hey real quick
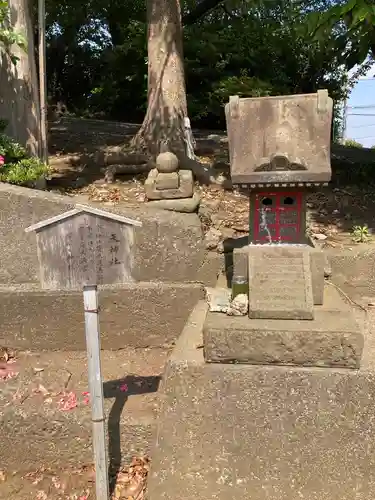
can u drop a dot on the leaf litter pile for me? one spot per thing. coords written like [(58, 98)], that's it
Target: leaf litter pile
[(129, 483)]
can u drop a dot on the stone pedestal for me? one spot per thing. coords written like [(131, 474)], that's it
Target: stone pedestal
[(258, 432)]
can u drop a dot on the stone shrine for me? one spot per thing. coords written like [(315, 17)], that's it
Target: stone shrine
[(275, 404)]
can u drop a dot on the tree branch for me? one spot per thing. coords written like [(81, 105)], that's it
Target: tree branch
[(203, 8)]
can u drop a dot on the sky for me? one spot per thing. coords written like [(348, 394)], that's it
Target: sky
[(360, 124)]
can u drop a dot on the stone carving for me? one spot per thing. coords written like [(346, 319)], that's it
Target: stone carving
[(284, 131), (279, 163), (166, 181)]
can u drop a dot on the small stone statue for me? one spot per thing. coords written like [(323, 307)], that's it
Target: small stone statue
[(166, 181)]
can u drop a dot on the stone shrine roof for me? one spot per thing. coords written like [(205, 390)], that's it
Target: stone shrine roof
[(282, 139)]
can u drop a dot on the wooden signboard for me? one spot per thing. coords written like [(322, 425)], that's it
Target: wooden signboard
[(84, 246)]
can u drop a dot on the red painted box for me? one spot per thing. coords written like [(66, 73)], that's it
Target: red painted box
[(277, 217)]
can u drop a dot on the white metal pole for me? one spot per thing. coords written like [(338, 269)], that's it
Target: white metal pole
[(90, 299), (43, 146)]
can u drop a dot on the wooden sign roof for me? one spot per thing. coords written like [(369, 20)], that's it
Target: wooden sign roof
[(79, 210)]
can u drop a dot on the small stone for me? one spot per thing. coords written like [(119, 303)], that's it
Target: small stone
[(327, 272), (212, 238), (218, 299), (320, 236), (167, 162), (214, 137), (239, 305)]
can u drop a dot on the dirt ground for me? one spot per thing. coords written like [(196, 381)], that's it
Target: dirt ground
[(332, 212), (48, 393)]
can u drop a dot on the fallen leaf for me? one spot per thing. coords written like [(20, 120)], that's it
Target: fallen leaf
[(42, 390), (2, 476), (68, 402), (41, 495), (56, 483)]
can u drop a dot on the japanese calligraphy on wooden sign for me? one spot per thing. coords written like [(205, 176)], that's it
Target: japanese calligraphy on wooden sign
[(85, 246)]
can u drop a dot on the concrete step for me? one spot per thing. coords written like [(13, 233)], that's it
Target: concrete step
[(280, 285), (35, 431), (143, 314)]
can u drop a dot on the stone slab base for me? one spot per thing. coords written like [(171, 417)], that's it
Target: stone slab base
[(229, 432), (135, 315), (331, 339)]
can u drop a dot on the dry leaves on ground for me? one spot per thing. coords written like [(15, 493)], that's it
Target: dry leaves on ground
[(79, 483), (131, 481)]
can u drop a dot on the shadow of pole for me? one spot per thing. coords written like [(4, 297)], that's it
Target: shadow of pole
[(121, 390)]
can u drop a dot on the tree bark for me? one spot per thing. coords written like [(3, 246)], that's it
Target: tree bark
[(19, 98), (163, 125)]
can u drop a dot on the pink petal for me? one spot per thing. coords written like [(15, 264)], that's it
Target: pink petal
[(124, 388)]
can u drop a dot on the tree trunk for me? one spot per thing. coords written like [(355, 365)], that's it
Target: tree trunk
[(19, 99), (163, 125)]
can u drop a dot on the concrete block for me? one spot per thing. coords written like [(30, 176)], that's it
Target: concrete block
[(263, 432), (133, 315)]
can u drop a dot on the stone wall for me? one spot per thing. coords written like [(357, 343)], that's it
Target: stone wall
[(168, 247)]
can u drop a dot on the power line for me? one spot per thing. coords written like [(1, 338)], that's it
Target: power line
[(361, 114), (367, 137), (362, 126), (370, 106)]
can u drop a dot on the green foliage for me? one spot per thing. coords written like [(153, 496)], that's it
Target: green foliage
[(351, 143), (251, 49), (361, 234), (356, 20), (23, 171), (8, 36), (10, 149), (16, 167)]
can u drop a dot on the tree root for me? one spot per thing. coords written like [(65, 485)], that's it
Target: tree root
[(203, 173), (111, 171)]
